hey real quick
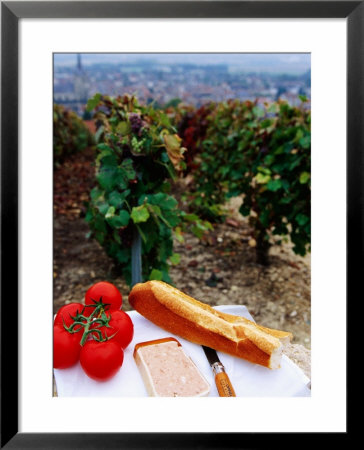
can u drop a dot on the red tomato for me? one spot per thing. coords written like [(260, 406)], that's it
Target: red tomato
[(66, 347), (101, 360), (121, 324), (106, 291), (66, 312)]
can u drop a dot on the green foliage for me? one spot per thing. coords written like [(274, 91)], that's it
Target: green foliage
[(139, 154), (262, 152), (70, 134), (173, 103)]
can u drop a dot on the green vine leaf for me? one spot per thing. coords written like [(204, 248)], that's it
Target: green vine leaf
[(175, 259), (140, 213), (156, 274), (93, 102), (119, 220), (304, 177)]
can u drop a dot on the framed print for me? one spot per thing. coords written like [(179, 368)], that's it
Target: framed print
[(36, 40)]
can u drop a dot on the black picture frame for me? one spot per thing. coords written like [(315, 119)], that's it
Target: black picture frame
[(11, 13)]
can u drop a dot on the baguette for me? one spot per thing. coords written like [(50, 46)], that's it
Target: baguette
[(198, 322)]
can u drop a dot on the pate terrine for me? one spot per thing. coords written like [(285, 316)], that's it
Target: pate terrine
[(167, 371)]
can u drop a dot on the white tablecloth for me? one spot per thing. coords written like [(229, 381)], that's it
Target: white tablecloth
[(248, 380)]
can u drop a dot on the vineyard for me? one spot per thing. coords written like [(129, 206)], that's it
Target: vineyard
[(219, 197)]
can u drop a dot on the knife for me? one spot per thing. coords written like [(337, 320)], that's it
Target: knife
[(222, 381)]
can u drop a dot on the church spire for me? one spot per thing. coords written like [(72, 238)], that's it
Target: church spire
[(79, 64)]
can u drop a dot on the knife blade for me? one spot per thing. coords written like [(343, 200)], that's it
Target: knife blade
[(222, 381)]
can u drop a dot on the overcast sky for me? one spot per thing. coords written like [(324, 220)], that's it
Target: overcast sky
[(263, 62)]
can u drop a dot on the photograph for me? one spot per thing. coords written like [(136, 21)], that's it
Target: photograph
[(181, 224), (173, 224)]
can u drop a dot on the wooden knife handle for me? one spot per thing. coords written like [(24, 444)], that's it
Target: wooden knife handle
[(224, 385)]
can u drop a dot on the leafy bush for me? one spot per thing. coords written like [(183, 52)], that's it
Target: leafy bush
[(278, 186), (262, 153), (70, 134), (139, 154)]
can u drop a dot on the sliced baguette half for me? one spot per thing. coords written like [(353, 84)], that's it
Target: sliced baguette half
[(198, 322)]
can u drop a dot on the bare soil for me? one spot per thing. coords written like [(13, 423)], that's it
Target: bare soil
[(218, 270)]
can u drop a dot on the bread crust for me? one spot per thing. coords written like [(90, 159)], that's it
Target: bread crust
[(198, 322)]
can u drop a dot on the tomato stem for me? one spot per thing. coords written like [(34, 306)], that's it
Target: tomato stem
[(98, 316)]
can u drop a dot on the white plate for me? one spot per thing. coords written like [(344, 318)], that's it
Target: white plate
[(248, 380)]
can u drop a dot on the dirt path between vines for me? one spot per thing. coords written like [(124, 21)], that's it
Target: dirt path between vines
[(218, 270)]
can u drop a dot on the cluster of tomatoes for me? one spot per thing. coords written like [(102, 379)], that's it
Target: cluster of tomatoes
[(96, 333)]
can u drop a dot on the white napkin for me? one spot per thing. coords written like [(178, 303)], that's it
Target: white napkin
[(248, 380)]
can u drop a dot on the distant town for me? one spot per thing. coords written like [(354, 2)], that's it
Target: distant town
[(163, 83)]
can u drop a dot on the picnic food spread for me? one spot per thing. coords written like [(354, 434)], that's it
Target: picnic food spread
[(97, 333), (167, 371), (198, 322)]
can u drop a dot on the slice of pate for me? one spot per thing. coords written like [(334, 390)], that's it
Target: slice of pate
[(167, 371)]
